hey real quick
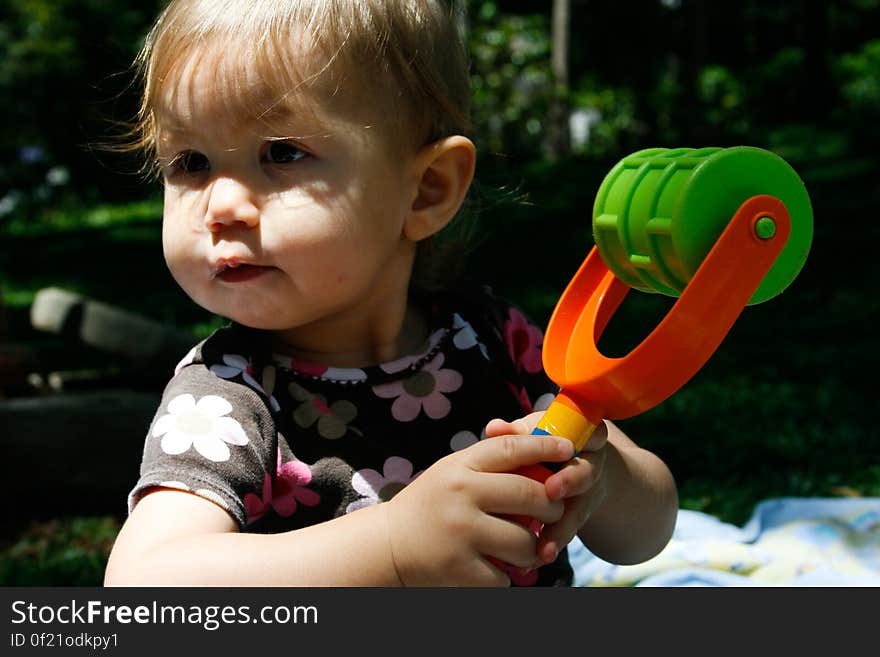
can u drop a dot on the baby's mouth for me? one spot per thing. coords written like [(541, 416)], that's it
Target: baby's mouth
[(233, 271)]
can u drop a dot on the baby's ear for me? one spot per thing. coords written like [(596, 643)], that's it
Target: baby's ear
[(445, 169)]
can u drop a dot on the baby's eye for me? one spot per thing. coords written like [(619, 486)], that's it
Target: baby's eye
[(282, 152), (190, 162)]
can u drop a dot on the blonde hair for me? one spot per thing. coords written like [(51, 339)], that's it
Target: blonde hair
[(404, 57)]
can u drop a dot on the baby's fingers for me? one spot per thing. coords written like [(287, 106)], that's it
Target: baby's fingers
[(509, 452), (514, 495), (523, 425), (556, 536)]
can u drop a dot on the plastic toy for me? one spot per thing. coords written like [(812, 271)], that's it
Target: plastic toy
[(720, 228)]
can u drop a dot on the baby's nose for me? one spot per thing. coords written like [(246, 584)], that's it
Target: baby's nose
[(231, 203)]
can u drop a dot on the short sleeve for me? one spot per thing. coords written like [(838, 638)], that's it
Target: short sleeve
[(212, 437)]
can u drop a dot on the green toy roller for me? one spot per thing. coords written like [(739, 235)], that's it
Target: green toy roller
[(659, 211), (719, 228)]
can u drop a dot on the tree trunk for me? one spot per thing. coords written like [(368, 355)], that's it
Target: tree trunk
[(558, 142)]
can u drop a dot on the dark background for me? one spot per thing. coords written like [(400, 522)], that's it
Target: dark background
[(782, 409)]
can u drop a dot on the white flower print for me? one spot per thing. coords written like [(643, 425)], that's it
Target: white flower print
[(235, 365), (397, 472), (543, 402), (202, 425), (464, 439), (465, 336)]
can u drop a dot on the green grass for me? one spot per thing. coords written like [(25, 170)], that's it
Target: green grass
[(52, 221), (59, 552)]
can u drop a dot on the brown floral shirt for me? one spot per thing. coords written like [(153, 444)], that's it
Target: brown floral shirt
[(282, 444)]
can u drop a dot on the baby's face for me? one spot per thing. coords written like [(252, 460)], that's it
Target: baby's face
[(301, 235)]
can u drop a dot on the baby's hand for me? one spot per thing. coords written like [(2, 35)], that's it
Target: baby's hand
[(446, 525), (581, 484)]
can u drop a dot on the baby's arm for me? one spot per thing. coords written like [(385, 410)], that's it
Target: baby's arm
[(439, 530), (637, 515), (177, 538), (620, 500)]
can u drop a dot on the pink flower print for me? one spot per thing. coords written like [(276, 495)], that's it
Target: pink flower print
[(522, 396), (255, 507), (423, 389), (233, 365), (397, 472), (284, 492), (542, 403), (332, 420), (523, 341), (291, 483)]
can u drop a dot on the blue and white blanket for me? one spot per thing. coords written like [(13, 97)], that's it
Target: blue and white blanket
[(786, 542)]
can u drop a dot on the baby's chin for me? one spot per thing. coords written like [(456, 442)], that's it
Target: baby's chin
[(268, 319), (247, 309), (255, 322)]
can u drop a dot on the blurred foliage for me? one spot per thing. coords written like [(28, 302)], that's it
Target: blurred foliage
[(62, 73), (859, 78), (779, 410), (59, 552), (687, 72), (511, 78)]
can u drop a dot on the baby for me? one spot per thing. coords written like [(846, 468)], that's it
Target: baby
[(343, 430)]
